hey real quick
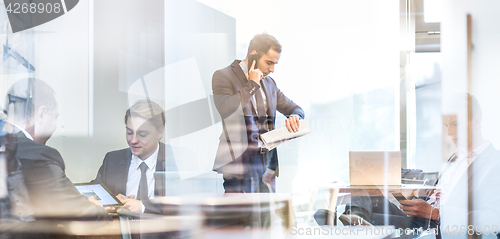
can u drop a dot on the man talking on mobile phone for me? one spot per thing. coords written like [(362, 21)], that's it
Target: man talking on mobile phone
[(247, 99)]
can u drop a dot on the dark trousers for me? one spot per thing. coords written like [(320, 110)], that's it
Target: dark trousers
[(251, 182)]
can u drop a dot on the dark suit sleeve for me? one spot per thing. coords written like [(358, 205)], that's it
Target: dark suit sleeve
[(285, 105), (101, 174), (151, 208), (52, 194), (226, 99)]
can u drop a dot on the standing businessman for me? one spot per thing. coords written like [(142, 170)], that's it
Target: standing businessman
[(247, 98)]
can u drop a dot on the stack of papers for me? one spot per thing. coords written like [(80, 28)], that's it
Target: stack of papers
[(280, 135)]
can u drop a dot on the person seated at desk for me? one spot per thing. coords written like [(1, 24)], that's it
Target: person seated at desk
[(130, 172), (480, 157), (39, 186)]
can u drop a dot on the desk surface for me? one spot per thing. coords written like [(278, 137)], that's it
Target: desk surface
[(379, 190), (302, 232), (102, 229), (112, 230), (223, 199), (75, 228)]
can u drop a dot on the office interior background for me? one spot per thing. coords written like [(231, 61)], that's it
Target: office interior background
[(370, 75)]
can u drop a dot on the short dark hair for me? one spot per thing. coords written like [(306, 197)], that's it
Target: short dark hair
[(27, 96), (461, 100), (473, 106), (149, 110), (261, 43)]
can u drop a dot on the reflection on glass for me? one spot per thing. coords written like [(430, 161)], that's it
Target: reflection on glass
[(433, 10)]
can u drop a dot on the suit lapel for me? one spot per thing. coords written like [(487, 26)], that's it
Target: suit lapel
[(121, 184), (235, 66), (239, 73), (481, 159), (271, 104), (160, 167)]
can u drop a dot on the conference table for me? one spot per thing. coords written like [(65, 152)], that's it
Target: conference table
[(384, 190)]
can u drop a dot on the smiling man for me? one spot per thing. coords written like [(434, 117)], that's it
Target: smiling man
[(245, 89), (130, 172)]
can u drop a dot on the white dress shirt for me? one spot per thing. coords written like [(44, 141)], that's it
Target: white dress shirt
[(455, 170), (134, 175)]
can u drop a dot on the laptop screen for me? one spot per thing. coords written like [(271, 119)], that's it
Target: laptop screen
[(374, 168)]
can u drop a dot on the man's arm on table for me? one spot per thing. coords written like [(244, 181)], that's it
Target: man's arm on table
[(53, 194)]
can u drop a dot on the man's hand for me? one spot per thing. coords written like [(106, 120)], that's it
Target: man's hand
[(123, 199), (254, 74), (269, 176), (130, 203), (94, 201), (292, 124), (419, 208)]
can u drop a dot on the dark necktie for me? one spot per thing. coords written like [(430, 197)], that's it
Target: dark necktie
[(261, 112), (143, 183)]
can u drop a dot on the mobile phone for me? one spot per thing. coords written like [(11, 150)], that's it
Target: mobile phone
[(399, 196), (251, 58)]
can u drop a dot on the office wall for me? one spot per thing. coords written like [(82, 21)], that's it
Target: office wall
[(127, 40), (97, 54), (132, 40), (426, 68), (198, 41), (340, 63), (485, 74), (62, 55)]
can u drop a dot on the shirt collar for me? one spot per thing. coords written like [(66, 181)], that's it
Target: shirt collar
[(473, 155), (28, 135), (150, 162), (478, 150), (244, 67)]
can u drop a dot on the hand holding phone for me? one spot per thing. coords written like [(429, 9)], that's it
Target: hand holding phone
[(251, 59), (254, 73), (399, 197)]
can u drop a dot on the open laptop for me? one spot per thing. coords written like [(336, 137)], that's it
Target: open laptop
[(374, 168)]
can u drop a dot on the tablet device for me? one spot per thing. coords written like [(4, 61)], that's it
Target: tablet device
[(100, 192)]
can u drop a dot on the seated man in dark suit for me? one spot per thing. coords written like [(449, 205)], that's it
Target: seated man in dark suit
[(130, 173), (38, 184), (8, 148)]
